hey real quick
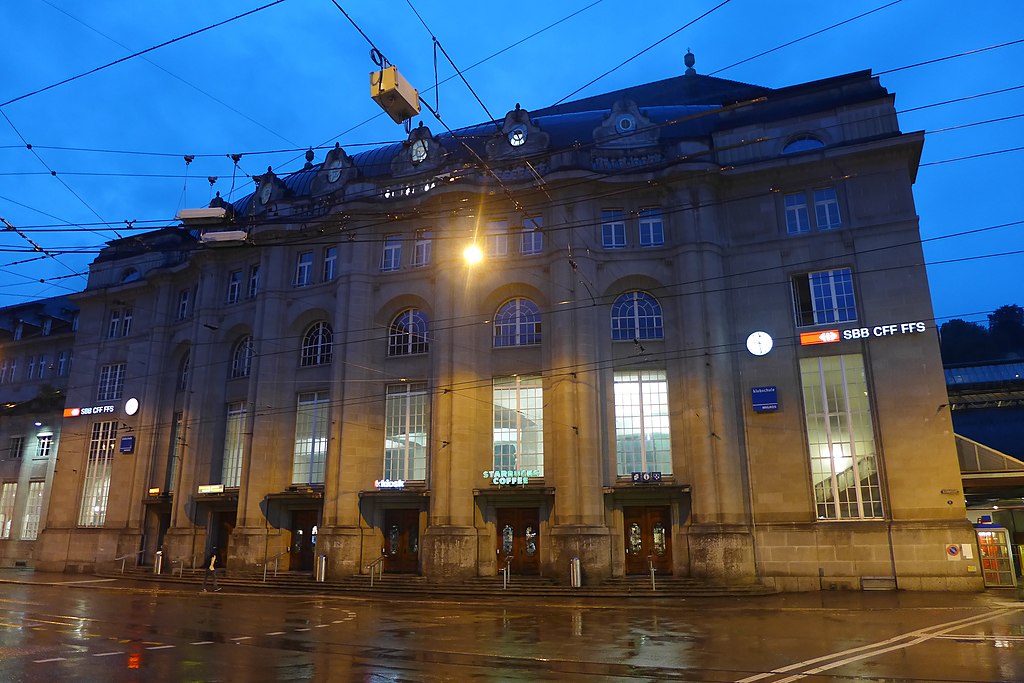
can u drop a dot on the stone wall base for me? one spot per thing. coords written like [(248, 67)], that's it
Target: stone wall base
[(591, 544), (448, 553)]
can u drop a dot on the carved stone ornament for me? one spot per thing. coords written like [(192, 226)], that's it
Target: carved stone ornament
[(518, 137), (626, 128), (337, 169), (421, 152)]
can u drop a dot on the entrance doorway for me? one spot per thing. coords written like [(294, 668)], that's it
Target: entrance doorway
[(401, 540), (303, 548), (648, 531), (222, 524), (519, 539)]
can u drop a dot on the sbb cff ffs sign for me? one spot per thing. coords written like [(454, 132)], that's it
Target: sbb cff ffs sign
[(833, 336)]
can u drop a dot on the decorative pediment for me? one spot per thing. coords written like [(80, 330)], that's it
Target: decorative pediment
[(337, 169), (421, 152), (626, 128), (518, 137), (269, 188)]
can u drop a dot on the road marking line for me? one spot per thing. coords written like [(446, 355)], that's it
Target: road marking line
[(879, 648), (44, 661), (322, 625), (68, 583), (202, 642), (241, 638), (160, 647), (302, 629), (107, 654), (275, 633)]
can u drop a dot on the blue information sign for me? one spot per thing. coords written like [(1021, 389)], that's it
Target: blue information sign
[(764, 399), (127, 444)]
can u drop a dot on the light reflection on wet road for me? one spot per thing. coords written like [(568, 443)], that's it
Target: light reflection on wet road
[(79, 633)]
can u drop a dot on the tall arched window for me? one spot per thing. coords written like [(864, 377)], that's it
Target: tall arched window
[(241, 357), (802, 143), (316, 345), (517, 323), (408, 333), (636, 315), (183, 371)]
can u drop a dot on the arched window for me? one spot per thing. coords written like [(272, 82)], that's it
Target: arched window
[(408, 333), (802, 143), (241, 358), (636, 315), (316, 345), (517, 323), (131, 275), (183, 371)]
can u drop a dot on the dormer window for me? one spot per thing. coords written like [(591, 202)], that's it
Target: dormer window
[(625, 123), (803, 143), (517, 136), (130, 275)]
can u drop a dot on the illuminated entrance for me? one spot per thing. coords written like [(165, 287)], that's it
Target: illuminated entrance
[(648, 538), (401, 540), (519, 540)]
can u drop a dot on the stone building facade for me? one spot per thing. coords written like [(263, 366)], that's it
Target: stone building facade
[(700, 339)]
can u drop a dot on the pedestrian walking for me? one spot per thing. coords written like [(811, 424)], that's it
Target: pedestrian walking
[(210, 566)]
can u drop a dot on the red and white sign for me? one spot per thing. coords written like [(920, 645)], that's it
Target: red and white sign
[(819, 337)]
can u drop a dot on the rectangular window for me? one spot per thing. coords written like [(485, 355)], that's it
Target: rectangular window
[(7, 493), (844, 464), (47, 327), (96, 483), (613, 229), (184, 303), (234, 445), (826, 209), (114, 323), (41, 367), (652, 228), (254, 280), (126, 322), (532, 237), (497, 238), (33, 511), (111, 382), (311, 425), (405, 432), (19, 331), (330, 263), (824, 297), (174, 452), (642, 437), (63, 363), (30, 368), (234, 287), (3, 372), (797, 221), (391, 258), (304, 269), (518, 423), (15, 447), (14, 369), (421, 248), (44, 446)]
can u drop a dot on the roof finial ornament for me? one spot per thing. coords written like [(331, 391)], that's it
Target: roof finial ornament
[(690, 60), (309, 158)]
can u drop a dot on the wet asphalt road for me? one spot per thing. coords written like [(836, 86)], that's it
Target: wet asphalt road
[(103, 630)]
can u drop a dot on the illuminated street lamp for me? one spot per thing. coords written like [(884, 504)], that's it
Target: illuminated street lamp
[(472, 254)]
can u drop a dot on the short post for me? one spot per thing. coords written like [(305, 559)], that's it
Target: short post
[(575, 574), (650, 562), (321, 569), (158, 562)]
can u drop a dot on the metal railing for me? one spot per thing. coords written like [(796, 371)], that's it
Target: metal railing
[(124, 559), (506, 573), (275, 558), (650, 563), (377, 565)]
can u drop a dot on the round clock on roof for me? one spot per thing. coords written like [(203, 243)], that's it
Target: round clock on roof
[(759, 343), (334, 170), (418, 151), (266, 189)]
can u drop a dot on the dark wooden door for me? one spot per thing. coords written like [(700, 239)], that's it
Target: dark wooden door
[(223, 525), (519, 539), (303, 540), (648, 531), (401, 541)]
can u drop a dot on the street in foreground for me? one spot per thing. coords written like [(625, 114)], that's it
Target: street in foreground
[(102, 630)]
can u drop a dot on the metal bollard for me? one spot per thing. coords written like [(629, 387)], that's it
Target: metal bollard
[(321, 569), (575, 573), (158, 563)]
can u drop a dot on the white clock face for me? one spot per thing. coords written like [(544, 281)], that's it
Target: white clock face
[(759, 343), (265, 190), (419, 151), (334, 171)]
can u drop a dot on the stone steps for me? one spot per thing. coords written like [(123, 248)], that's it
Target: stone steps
[(481, 586)]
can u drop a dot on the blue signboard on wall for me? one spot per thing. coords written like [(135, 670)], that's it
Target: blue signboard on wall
[(127, 444), (764, 399)]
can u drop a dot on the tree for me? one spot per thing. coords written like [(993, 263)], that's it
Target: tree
[(1006, 330), (961, 341)]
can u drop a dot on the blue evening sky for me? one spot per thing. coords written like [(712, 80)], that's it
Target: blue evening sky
[(294, 75)]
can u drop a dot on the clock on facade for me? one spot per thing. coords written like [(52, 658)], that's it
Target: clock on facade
[(334, 171), (759, 343), (418, 151), (266, 189)]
